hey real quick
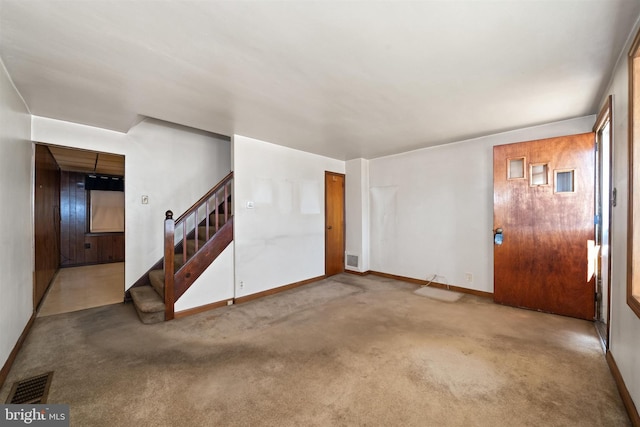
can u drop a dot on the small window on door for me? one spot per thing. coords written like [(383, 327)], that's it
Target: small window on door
[(565, 181), (539, 174), (515, 168)]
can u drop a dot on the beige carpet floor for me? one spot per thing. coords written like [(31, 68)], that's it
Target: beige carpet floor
[(345, 351)]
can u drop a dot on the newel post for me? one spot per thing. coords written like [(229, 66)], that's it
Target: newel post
[(169, 253)]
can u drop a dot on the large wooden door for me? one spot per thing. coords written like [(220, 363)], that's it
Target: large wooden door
[(543, 220), (334, 223)]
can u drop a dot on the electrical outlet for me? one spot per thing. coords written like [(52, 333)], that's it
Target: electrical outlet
[(241, 284), (468, 277)]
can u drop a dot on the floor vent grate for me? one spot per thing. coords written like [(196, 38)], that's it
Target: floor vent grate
[(32, 390), (352, 260)]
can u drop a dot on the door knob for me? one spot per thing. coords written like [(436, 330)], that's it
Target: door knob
[(329, 227), (497, 236)]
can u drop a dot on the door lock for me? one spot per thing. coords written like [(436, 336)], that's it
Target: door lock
[(497, 236)]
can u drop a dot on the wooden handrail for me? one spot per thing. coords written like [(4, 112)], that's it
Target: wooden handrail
[(210, 193), (170, 246), (181, 222)]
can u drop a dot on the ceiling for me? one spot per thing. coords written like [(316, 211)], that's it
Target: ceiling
[(345, 79), (69, 159)]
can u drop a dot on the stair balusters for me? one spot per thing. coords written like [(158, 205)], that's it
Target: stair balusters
[(188, 226)]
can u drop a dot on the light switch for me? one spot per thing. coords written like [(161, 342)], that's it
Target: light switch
[(145, 200), (250, 205)]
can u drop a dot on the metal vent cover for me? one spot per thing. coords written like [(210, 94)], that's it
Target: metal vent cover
[(352, 260), (32, 390)]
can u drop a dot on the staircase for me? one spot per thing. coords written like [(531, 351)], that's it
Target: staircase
[(192, 243)]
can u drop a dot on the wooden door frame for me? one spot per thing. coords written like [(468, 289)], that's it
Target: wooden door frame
[(326, 234), (606, 114), (37, 296)]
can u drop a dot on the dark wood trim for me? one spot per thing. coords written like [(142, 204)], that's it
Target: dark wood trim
[(632, 411), (202, 308), (357, 273), (4, 372), (105, 233), (423, 283), (277, 290), (420, 282), (475, 292), (401, 278)]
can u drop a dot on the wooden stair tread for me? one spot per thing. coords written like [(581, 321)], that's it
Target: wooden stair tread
[(156, 277), (147, 299)]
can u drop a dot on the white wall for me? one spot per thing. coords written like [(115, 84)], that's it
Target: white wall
[(16, 211), (214, 285), (432, 209), (624, 342), (171, 164), (357, 212), (281, 239)]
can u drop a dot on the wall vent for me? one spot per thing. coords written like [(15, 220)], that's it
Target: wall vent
[(352, 260)]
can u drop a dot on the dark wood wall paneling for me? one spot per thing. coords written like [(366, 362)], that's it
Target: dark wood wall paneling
[(46, 221), (78, 247)]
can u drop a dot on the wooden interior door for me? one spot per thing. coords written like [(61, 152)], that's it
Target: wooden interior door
[(334, 223), (543, 218)]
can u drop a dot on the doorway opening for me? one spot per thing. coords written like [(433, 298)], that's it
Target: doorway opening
[(80, 253), (603, 204)]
